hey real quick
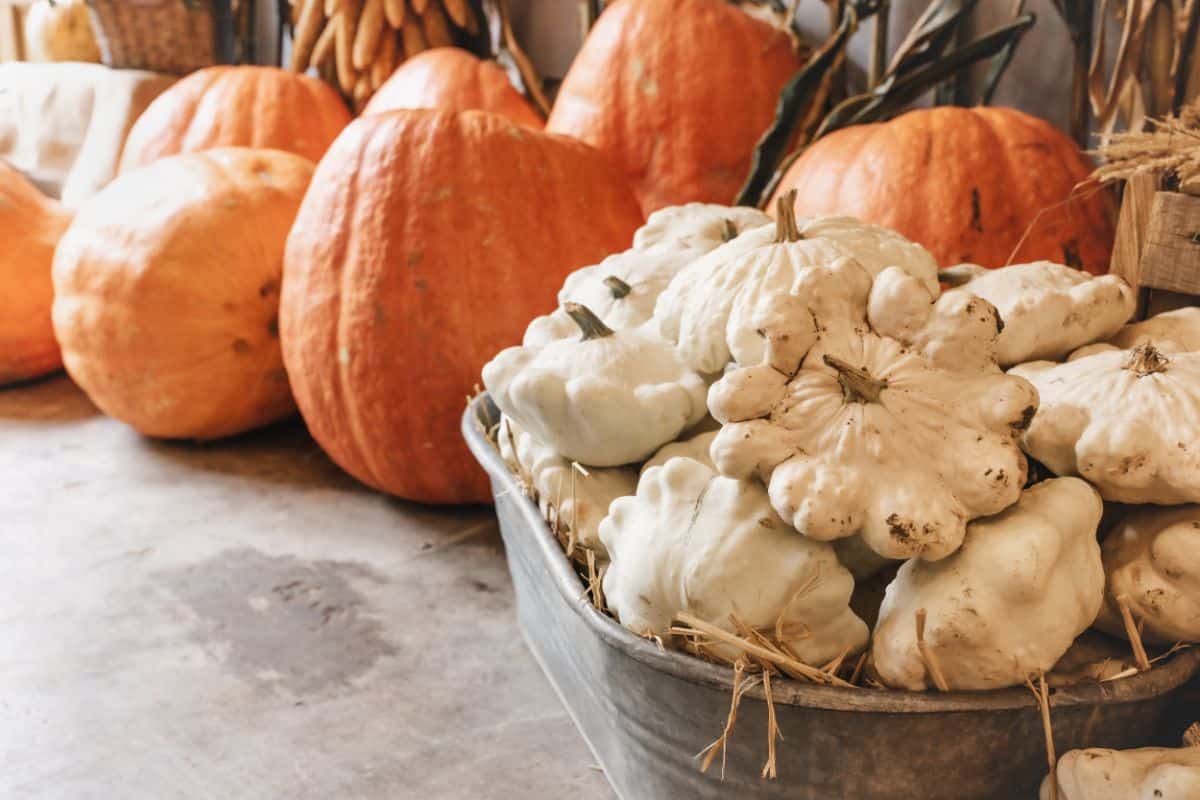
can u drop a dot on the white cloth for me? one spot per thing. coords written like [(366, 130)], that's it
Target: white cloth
[(64, 124)]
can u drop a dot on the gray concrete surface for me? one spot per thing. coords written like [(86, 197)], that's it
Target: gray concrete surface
[(241, 620)]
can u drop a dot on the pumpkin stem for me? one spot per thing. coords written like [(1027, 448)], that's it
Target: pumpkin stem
[(786, 229), (729, 231), (589, 324), (857, 384), (1145, 359), (618, 287)]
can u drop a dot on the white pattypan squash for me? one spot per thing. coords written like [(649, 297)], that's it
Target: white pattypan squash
[(695, 448), (1148, 773), (699, 227), (1126, 420), (1050, 309), (1010, 602), (580, 498), (899, 443), (716, 309), (693, 541), (1153, 558), (1170, 331), (605, 399)]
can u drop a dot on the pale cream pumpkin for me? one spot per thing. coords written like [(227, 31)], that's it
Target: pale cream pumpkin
[(1126, 420), (1147, 773), (1009, 602), (577, 498), (607, 398), (1049, 309), (692, 541), (1152, 558)]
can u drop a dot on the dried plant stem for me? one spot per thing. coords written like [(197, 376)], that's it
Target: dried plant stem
[(740, 687), (769, 770), (1042, 694), (1131, 631), (927, 657), (858, 667), (788, 665)]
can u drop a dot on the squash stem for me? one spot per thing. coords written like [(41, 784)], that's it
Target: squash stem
[(729, 231), (1145, 359), (857, 384), (618, 287), (786, 229), (589, 324)]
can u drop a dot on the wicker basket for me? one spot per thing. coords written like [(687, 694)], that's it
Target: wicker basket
[(174, 36)]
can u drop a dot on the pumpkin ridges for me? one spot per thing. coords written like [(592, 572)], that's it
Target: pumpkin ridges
[(421, 200), (222, 106), (635, 92), (1032, 166)]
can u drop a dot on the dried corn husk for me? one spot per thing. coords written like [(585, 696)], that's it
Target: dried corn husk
[(371, 26)]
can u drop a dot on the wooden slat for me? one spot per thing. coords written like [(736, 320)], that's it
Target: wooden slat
[(1171, 253)]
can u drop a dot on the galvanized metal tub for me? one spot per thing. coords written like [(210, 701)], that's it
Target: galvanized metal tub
[(646, 713)]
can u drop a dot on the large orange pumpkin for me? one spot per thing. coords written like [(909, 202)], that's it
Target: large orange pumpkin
[(968, 183), (244, 106), (30, 227), (678, 93), (167, 292), (455, 80), (426, 243)]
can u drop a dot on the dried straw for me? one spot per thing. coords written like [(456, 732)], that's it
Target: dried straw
[(769, 770), (1042, 694), (1132, 632), (1172, 146), (740, 687)]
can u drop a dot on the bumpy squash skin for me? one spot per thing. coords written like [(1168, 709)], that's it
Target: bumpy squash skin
[(453, 79), (677, 93), (966, 183), (426, 243), (167, 292), (30, 227), (244, 106)]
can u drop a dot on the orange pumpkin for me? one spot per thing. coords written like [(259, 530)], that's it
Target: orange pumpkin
[(426, 243), (243, 106), (167, 292), (455, 80), (30, 227), (968, 183), (677, 93)]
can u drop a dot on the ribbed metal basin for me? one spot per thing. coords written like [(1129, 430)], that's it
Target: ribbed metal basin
[(646, 713)]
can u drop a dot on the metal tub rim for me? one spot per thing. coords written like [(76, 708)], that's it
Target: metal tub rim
[(1164, 677)]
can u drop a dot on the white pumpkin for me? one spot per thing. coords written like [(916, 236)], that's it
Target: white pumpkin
[(872, 438), (1148, 773), (1126, 420), (698, 227), (606, 399), (717, 308), (695, 447), (1170, 331), (693, 541), (1153, 557), (1050, 309), (1010, 602), (579, 498)]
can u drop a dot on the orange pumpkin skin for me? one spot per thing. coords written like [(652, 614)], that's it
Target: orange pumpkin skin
[(678, 93), (426, 243), (30, 226), (967, 183), (167, 292), (455, 80), (245, 106)]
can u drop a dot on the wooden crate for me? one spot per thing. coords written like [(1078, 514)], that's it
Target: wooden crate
[(1157, 249)]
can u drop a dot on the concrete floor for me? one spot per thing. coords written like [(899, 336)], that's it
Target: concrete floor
[(241, 620)]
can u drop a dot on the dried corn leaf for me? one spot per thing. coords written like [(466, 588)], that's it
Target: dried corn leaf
[(413, 36), (371, 25), (459, 12), (306, 33), (322, 51), (436, 27), (395, 11)]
